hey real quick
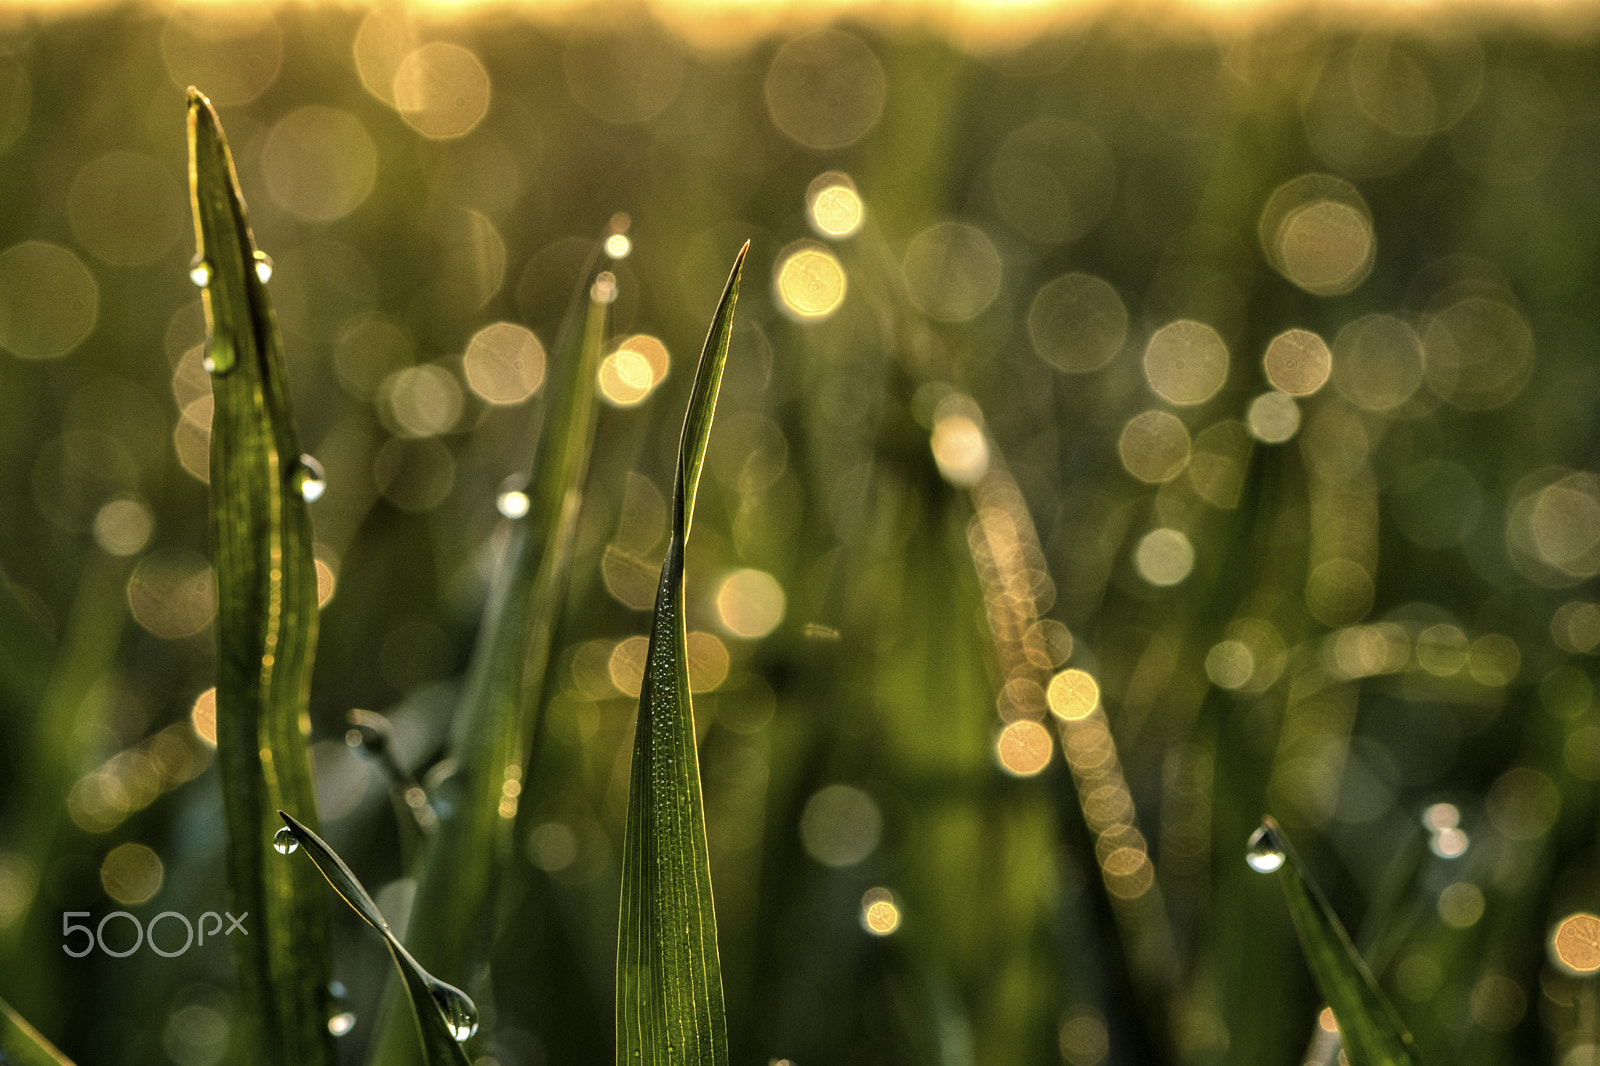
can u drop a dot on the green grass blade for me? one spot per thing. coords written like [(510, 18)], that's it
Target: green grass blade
[(22, 1045), (669, 978), (463, 859), (440, 1009), (1372, 1032), (266, 616)]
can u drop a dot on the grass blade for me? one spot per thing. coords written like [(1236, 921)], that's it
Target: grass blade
[(266, 614), (1372, 1032), (669, 977), (461, 866), (445, 1015), (22, 1045)]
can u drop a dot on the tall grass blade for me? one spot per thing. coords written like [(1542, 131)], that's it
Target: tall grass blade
[(266, 615), (23, 1045), (445, 1015), (1372, 1032), (477, 804), (669, 976)]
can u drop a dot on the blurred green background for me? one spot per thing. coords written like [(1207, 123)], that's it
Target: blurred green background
[(1129, 431)]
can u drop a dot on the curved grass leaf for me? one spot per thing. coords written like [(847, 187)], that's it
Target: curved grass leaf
[(1372, 1032), (22, 1045), (441, 1010), (462, 863), (266, 615), (669, 977)]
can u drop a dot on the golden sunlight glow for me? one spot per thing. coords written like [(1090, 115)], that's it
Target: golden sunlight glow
[(625, 667), (810, 282), (1073, 694), (1164, 557), (1024, 748), (1576, 943), (1317, 232), (441, 90)]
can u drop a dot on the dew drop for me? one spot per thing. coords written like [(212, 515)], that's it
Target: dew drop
[(460, 1013), (341, 1023), (285, 841), (200, 271), (604, 289), (511, 500), (263, 267), (1264, 852), (219, 358), (308, 479)]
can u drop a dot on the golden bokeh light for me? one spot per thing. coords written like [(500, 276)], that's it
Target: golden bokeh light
[(1164, 557), (1377, 362), (131, 874), (1229, 664), (1186, 362), (1298, 362), (203, 716), (1479, 353), (319, 163), (840, 825), (1073, 694), (1575, 626), (880, 914), (1154, 446), (825, 89), (625, 666), (1576, 943), (1024, 748), (960, 450), (1497, 1003), (1339, 592), (1494, 660), (383, 41), (708, 661), (1077, 323), (952, 271), (833, 205), (810, 282), (1442, 649), (123, 526), (1523, 803), (441, 90), (652, 351), (125, 208), (48, 300), (234, 51), (1084, 1040), (421, 401), (625, 378), (504, 363), (1273, 417), (750, 604), (171, 593), (1317, 231)]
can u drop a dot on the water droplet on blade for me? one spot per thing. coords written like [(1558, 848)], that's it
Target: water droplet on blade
[(219, 357), (604, 289), (460, 1013), (200, 271), (511, 501), (285, 842), (1264, 853), (263, 267), (308, 479), (341, 1023)]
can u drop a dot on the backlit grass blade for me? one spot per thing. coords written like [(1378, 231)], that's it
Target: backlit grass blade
[(669, 977), (445, 1015), (22, 1045), (266, 615), (477, 804), (1372, 1032)]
